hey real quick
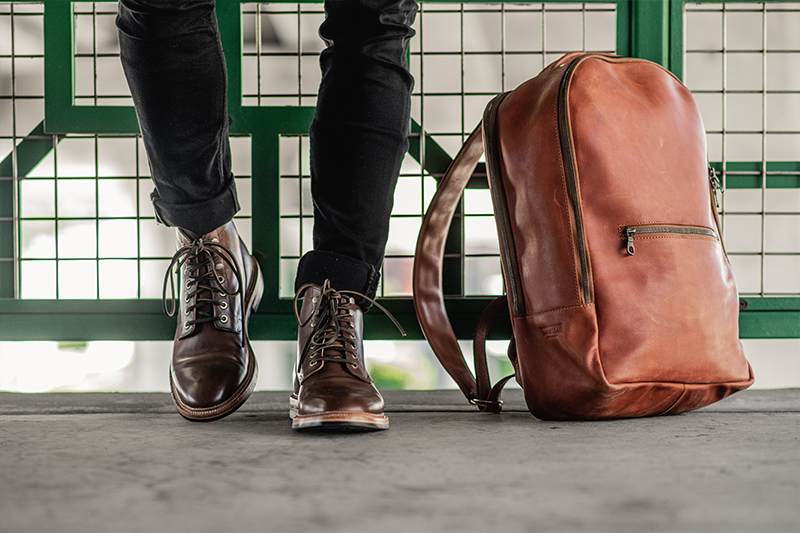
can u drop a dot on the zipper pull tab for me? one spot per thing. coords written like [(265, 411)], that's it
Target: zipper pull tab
[(716, 186), (629, 233)]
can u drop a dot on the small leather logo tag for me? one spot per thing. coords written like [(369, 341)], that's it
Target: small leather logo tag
[(552, 331)]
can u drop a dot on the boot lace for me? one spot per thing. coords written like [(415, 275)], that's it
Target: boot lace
[(202, 280), (334, 326)]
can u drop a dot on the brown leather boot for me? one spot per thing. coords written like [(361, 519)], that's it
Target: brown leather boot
[(332, 387), (213, 367)]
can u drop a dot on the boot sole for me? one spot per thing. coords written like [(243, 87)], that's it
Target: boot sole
[(339, 421), (206, 414)]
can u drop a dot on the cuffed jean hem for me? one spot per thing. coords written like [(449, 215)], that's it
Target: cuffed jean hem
[(343, 271), (200, 217)]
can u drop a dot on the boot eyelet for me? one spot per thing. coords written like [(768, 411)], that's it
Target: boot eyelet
[(224, 319), (354, 365), (223, 305), (222, 295), (186, 312), (187, 326), (188, 285), (313, 363), (221, 279)]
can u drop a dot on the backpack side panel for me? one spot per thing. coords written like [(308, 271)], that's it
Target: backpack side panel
[(535, 197)]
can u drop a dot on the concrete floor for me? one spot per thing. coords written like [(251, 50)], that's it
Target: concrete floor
[(128, 462)]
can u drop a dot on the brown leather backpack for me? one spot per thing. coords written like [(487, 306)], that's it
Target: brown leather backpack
[(621, 296)]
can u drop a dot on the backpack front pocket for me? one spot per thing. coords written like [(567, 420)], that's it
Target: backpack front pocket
[(662, 231), (657, 300)]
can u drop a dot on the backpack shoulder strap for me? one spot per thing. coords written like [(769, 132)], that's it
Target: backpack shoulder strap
[(428, 295)]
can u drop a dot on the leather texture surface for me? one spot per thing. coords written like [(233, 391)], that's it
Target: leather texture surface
[(213, 368), (537, 199), (592, 146), (332, 385)]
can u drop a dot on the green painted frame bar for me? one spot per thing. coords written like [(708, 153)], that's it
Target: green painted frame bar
[(61, 113), (769, 318), (747, 174), (644, 29), (650, 30), (80, 320), (7, 233)]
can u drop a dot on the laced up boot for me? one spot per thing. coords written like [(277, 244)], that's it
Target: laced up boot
[(213, 368), (333, 389)]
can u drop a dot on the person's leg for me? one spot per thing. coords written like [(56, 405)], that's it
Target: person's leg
[(173, 61), (358, 140)]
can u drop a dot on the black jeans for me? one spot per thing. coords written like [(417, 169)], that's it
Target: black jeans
[(172, 58)]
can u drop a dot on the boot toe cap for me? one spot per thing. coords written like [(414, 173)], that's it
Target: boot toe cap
[(347, 397), (207, 384)]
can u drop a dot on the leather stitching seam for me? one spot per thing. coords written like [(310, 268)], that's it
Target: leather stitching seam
[(540, 313)]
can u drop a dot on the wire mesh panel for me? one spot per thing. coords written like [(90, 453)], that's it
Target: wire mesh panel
[(742, 62), (462, 56), (85, 226), (98, 72), (75, 216), (21, 101)]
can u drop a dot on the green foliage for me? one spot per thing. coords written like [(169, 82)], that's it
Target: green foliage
[(390, 377)]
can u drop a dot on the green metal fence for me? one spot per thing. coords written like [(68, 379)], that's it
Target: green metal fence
[(83, 111)]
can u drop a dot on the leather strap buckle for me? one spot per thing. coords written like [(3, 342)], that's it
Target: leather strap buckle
[(492, 406)]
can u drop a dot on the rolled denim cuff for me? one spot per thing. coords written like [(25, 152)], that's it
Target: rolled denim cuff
[(344, 273), (199, 217)]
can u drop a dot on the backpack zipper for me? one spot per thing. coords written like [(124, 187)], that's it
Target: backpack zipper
[(629, 232), (716, 186), (571, 179), (498, 199)]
